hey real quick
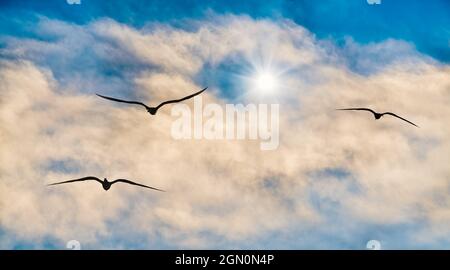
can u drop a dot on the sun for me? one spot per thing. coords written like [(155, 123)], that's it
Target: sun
[(265, 82), (262, 79)]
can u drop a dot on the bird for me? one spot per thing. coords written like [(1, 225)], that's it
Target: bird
[(377, 115), (105, 183), (153, 110)]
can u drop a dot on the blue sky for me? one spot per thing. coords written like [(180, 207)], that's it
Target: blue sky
[(424, 23), (350, 52)]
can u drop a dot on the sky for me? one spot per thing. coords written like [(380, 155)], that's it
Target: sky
[(336, 180)]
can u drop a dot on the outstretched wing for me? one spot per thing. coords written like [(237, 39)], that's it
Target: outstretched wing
[(123, 101), (181, 99), (133, 183), (77, 180), (393, 114), (357, 109)]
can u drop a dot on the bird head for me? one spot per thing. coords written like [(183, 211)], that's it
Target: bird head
[(151, 110), (106, 185)]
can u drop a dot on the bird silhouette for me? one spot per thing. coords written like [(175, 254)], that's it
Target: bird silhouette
[(105, 183), (377, 115), (153, 110)]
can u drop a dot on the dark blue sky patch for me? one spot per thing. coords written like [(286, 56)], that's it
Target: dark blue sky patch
[(271, 183), (66, 166), (227, 75), (338, 173), (19, 243)]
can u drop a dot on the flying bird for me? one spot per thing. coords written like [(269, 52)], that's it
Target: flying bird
[(105, 183), (377, 115), (153, 110)]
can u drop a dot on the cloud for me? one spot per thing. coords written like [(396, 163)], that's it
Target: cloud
[(332, 169)]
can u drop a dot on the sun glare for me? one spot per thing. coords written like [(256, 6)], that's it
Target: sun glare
[(265, 82)]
